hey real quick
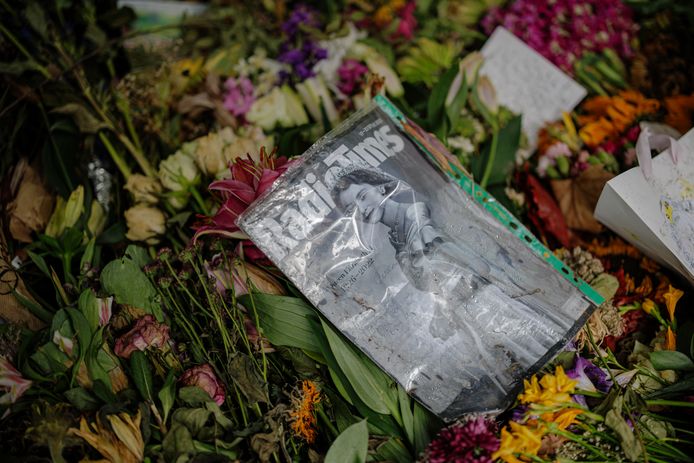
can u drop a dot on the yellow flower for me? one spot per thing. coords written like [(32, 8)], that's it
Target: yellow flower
[(551, 390), (671, 297), (566, 417), (123, 445), (649, 306), (520, 440), (670, 341)]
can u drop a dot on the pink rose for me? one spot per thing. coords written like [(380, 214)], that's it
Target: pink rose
[(203, 377), (147, 333)]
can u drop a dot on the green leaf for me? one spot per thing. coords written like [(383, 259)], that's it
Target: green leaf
[(194, 396), (505, 158), (456, 106), (40, 263), (36, 17), (167, 395), (82, 399), (406, 416), (84, 332), (88, 255), (142, 374), (435, 104), (82, 117), (426, 425), (284, 320), (350, 446), (138, 254), (372, 386), (393, 450), (671, 360), (89, 306), (123, 279)]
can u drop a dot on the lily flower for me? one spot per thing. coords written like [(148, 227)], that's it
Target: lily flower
[(11, 382)]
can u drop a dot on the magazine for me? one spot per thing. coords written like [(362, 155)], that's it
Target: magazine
[(410, 267)]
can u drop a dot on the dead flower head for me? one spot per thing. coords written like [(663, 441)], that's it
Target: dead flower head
[(121, 442), (303, 416)]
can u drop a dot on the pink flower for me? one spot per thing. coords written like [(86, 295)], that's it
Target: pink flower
[(351, 73), (11, 382), (239, 95), (203, 377), (408, 23), (248, 181), (472, 441), (147, 333), (105, 310)]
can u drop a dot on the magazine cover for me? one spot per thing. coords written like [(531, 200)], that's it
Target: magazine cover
[(419, 275)]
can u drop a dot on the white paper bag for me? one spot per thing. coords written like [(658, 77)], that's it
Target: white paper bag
[(655, 211)]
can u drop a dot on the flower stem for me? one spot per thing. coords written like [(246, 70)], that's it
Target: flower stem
[(490, 161), (117, 159), (198, 199), (24, 51), (672, 403)]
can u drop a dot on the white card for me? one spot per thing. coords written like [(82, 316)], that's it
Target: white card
[(527, 83)]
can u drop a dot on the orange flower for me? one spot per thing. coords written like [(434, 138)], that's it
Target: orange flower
[(680, 112), (670, 340), (646, 286), (606, 117), (649, 265), (551, 390), (303, 416), (671, 297)]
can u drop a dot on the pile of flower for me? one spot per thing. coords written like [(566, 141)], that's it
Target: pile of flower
[(139, 323)]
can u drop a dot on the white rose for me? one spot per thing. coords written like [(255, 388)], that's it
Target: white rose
[(144, 189), (210, 151), (145, 223), (178, 172)]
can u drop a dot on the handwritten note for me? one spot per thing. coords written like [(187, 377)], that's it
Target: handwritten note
[(527, 83)]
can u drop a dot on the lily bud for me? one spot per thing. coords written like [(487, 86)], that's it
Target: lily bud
[(66, 213), (97, 219), (467, 69), (487, 94)]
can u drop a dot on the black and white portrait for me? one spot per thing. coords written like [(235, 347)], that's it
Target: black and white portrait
[(416, 273)]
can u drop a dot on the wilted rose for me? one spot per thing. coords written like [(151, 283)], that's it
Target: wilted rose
[(203, 377), (240, 275), (145, 223), (145, 190), (146, 334)]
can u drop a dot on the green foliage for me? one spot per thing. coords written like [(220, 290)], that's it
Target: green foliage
[(350, 446)]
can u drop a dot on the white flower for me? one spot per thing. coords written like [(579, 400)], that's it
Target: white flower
[(178, 171), (377, 64), (315, 94), (145, 223), (337, 49), (144, 189), (279, 107)]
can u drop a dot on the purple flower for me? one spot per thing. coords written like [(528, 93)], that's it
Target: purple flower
[(301, 14), (299, 51), (472, 441), (239, 95), (590, 377)]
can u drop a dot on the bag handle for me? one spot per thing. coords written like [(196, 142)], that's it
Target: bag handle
[(648, 141)]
